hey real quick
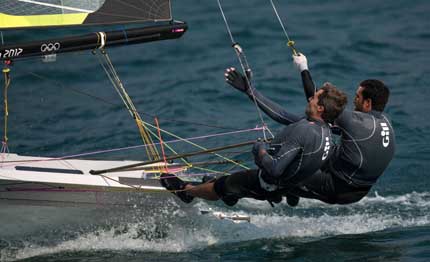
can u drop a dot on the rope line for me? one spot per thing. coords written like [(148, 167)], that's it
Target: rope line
[(245, 68), (7, 80), (115, 104), (129, 148), (108, 67), (200, 147), (290, 42), (189, 154), (161, 145), (144, 131)]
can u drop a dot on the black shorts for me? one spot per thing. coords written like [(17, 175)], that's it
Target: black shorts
[(240, 185), (322, 186), (329, 188)]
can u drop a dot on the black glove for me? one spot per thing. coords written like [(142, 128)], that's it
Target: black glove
[(258, 148), (236, 80)]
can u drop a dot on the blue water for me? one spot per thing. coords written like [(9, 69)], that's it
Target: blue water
[(69, 107)]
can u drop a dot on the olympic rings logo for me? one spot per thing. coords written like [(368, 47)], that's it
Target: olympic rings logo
[(50, 47)]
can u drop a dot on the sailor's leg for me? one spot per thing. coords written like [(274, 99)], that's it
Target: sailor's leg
[(227, 188), (230, 188), (239, 185), (328, 188), (205, 191), (319, 186)]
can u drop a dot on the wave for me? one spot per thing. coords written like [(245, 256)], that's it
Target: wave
[(413, 199), (184, 232)]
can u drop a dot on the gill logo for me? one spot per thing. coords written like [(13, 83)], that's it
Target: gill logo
[(326, 148), (385, 133)]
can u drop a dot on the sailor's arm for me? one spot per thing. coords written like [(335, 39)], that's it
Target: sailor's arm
[(301, 63), (272, 109), (275, 165), (309, 87), (308, 84)]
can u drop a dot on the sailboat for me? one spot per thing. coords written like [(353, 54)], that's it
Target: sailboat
[(69, 180), (56, 181)]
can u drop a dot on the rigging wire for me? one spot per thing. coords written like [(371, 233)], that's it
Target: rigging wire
[(108, 67), (290, 42), (205, 151), (127, 148), (145, 132), (7, 80), (56, 82), (245, 68), (160, 138), (235, 131), (114, 78), (187, 140), (196, 145)]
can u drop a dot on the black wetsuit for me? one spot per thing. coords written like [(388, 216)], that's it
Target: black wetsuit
[(366, 148), (297, 152)]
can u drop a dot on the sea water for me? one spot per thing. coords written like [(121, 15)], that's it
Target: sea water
[(69, 107)]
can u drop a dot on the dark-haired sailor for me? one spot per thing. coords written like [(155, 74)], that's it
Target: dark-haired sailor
[(295, 153)]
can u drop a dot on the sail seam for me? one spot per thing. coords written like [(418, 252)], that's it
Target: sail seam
[(56, 6)]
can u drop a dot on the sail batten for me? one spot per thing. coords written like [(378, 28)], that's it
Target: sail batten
[(44, 13)]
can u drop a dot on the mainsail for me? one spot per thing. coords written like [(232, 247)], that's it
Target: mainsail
[(37, 13), (53, 13)]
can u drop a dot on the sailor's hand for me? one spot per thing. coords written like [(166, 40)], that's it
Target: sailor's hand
[(301, 62), (236, 79), (259, 149)]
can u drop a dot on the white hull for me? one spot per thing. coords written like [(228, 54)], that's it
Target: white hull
[(42, 181)]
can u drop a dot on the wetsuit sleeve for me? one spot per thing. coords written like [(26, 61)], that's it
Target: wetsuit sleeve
[(275, 165), (273, 110), (308, 84)]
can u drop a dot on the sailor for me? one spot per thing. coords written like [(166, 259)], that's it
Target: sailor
[(295, 153), (367, 141), (366, 147)]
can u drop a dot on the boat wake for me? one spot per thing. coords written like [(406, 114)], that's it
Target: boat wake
[(180, 231)]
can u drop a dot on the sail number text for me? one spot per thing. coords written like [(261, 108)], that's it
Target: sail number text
[(7, 53)]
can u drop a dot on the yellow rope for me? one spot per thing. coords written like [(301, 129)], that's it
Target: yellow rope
[(145, 132), (196, 145), (189, 165), (107, 65), (146, 138)]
